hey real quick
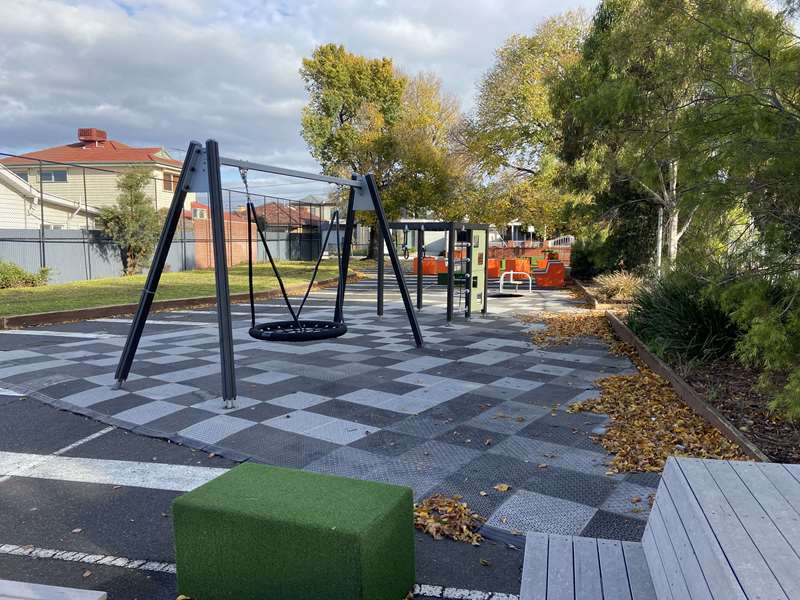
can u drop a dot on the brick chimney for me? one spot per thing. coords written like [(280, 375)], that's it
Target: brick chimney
[(91, 136)]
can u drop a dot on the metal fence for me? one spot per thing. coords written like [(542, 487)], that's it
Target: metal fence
[(49, 217)]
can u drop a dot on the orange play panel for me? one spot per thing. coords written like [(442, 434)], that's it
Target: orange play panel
[(552, 276)]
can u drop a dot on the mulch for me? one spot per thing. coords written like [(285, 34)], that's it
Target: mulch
[(732, 389)]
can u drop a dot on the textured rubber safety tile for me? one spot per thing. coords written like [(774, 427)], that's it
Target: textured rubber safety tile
[(629, 500), (348, 462), (591, 490), (215, 429), (508, 417), (471, 437), (612, 526), (145, 413), (280, 448), (388, 443), (530, 511)]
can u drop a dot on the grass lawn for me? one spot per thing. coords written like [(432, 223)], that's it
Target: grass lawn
[(127, 290)]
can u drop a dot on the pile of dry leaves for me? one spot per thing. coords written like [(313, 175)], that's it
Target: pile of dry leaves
[(448, 517), (649, 422)]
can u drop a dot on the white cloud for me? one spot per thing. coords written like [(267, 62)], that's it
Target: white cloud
[(162, 72)]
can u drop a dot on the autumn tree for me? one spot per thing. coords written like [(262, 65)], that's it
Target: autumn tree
[(513, 134), (133, 223)]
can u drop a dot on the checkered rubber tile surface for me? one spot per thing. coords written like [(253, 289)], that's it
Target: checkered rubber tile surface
[(477, 406)]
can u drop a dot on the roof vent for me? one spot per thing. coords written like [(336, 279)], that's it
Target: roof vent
[(92, 135)]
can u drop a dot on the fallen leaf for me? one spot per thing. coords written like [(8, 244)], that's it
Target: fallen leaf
[(542, 465), (441, 516), (482, 493), (87, 573), (77, 530), (485, 563), (502, 487), (636, 499)]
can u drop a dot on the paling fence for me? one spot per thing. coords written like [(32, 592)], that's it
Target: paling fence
[(49, 217)]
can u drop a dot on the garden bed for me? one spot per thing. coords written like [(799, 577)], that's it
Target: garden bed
[(732, 390)]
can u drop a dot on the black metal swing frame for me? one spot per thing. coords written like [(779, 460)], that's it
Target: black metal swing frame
[(201, 173)]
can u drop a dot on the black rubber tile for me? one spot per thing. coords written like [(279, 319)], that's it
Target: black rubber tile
[(548, 394), (350, 411), (30, 426), (258, 412), (122, 521), (275, 447), (481, 475), (471, 437), (388, 443), (583, 488), (646, 479), (544, 429), (612, 526), (118, 583)]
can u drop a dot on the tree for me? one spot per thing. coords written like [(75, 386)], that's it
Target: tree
[(512, 135), (133, 223), (353, 104), (363, 116)]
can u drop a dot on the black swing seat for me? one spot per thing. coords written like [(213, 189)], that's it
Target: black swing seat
[(300, 331)]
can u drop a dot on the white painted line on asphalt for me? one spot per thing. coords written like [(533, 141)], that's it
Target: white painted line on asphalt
[(432, 591), (91, 559), (17, 464), (155, 476), (69, 334)]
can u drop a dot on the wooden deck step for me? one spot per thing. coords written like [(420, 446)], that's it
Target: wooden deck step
[(725, 529), (561, 567)]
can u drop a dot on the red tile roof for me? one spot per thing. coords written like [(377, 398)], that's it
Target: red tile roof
[(286, 214), (106, 151)]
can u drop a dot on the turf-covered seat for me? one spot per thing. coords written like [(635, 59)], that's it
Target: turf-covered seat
[(267, 532)]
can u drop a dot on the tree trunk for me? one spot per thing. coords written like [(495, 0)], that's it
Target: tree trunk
[(659, 238), (672, 238), (372, 249)]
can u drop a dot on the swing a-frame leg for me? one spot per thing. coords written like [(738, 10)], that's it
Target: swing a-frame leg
[(200, 173)]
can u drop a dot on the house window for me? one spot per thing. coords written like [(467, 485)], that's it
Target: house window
[(170, 182), (22, 175), (198, 213), (54, 176)]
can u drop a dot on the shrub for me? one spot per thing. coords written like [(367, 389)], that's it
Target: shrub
[(680, 321), (769, 315), (12, 275), (589, 257), (619, 285)]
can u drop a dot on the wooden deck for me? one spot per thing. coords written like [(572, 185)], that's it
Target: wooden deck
[(719, 530), (725, 529), (562, 567)]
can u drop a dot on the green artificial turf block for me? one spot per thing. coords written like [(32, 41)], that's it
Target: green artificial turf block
[(266, 532)]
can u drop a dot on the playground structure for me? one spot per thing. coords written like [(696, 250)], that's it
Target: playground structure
[(201, 173), (465, 263)]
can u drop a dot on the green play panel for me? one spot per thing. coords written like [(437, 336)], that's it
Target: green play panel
[(267, 532)]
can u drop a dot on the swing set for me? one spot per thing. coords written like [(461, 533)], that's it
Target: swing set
[(201, 173)]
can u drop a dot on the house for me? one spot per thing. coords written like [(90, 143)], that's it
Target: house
[(22, 206), (85, 172)]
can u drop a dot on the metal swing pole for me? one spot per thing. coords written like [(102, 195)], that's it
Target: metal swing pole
[(420, 252), (344, 262), (193, 156), (383, 227), (221, 275), (381, 268)]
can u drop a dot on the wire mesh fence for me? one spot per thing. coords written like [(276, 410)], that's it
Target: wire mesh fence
[(50, 216)]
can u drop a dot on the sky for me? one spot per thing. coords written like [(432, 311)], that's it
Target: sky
[(163, 72)]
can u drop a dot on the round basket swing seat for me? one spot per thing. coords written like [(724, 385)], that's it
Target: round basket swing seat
[(300, 331)]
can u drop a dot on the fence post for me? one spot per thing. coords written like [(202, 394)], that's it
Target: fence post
[(42, 258), (87, 238)]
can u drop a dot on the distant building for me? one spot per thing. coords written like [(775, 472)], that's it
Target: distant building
[(83, 173)]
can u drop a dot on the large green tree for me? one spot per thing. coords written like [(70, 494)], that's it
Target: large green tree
[(364, 116), (512, 137), (133, 223)]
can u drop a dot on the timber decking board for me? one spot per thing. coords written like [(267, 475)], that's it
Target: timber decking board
[(669, 560), (749, 565), (565, 567), (721, 579), (638, 575)]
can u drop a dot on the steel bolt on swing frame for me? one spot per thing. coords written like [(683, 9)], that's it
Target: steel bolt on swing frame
[(201, 172)]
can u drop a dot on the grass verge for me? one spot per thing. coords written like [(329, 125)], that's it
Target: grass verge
[(126, 290)]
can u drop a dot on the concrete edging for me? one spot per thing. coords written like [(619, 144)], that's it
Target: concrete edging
[(685, 392), (118, 310)]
